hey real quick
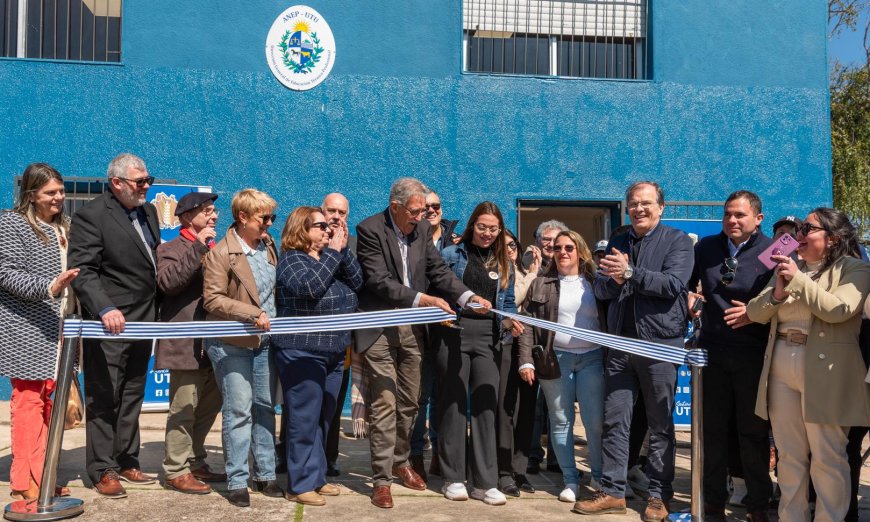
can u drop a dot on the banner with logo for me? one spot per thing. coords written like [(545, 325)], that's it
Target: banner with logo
[(165, 198)]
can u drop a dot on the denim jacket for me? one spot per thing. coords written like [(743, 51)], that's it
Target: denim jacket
[(456, 258)]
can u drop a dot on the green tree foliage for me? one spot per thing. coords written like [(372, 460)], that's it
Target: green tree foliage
[(850, 118)]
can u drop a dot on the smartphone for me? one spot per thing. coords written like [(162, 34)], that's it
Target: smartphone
[(528, 259), (783, 246)]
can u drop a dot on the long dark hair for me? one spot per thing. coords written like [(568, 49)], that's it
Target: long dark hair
[(518, 264), (841, 233), (36, 176), (500, 258)]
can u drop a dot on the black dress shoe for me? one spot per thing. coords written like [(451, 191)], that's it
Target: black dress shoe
[(332, 470), (510, 490), (533, 468), (239, 497), (269, 488), (524, 484)]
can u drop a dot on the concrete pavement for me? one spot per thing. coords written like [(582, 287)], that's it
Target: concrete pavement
[(156, 503)]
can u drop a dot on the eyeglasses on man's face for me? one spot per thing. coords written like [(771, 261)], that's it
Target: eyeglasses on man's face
[(413, 212), (139, 182)]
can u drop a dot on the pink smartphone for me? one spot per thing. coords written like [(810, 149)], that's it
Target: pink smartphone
[(783, 246)]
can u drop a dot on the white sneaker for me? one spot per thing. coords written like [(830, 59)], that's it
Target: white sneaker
[(492, 496), (738, 492), (454, 491), (638, 481), (569, 494)]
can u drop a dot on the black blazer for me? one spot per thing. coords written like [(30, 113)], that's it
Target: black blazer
[(115, 267), (378, 253)]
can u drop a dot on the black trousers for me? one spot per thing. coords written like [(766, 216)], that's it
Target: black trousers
[(853, 451), (335, 425), (730, 390), (115, 373), (515, 417), (467, 364)]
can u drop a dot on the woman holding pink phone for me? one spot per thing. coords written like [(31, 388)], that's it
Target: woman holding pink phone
[(812, 384)]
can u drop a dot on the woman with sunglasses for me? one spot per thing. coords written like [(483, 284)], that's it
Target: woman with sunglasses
[(515, 416), (812, 385), (239, 285), (467, 358), (317, 275), (567, 368)]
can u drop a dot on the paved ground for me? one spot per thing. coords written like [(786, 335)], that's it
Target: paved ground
[(155, 503)]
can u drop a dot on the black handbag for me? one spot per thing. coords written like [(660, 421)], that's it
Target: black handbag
[(546, 364)]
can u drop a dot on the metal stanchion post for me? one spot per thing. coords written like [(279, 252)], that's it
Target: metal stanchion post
[(697, 444), (48, 506)]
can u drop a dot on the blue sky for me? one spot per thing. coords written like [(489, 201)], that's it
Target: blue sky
[(848, 47)]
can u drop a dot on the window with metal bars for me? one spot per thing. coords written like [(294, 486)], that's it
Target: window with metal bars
[(85, 30), (577, 38)]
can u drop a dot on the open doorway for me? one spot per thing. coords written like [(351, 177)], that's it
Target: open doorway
[(592, 219)]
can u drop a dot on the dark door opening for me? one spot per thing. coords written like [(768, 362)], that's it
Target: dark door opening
[(593, 220)]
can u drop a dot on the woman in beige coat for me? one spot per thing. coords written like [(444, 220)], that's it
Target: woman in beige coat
[(812, 385), (239, 285)]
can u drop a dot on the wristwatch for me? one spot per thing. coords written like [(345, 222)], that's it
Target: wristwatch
[(628, 272)]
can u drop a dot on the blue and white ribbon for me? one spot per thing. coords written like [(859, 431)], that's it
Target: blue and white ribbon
[(660, 352), (283, 325)]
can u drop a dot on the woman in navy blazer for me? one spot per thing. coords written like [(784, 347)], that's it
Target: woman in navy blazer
[(317, 275)]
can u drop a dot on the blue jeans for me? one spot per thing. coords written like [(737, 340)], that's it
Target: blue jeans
[(428, 407), (582, 380), (246, 381)]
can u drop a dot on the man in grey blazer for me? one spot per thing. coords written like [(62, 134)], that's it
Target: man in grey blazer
[(112, 241), (400, 264)]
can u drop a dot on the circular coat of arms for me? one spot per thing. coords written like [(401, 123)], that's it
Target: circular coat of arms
[(300, 48)]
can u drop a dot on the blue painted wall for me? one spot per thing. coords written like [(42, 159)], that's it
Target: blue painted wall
[(738, 100)]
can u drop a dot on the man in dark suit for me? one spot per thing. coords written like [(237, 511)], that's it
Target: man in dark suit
[(400, 262), (112, 241)]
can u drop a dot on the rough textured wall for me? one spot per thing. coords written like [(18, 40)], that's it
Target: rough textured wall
[(737, 102)]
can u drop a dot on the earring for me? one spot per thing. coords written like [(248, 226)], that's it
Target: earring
[(244, 225)]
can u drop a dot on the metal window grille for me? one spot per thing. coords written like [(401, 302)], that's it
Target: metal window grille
[(87, 30), (578, 38)]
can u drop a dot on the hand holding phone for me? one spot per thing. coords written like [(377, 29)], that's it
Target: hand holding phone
[(783, 246)]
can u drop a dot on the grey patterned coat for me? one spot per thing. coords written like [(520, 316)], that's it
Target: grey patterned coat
[(29, 317)]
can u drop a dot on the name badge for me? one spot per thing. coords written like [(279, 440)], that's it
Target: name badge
[(493, 276)]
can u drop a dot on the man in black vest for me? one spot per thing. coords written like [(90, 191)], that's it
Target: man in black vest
[(730, 273), (113, 240)]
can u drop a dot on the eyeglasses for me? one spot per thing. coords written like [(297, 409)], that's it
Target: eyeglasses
[(512, 245), (209, 211), (729, 270), (322, 225), (140, 182), (566, 248), (644, 205), (414, 212), (434, 206), (480, 227), (269, 217), (807, 228)]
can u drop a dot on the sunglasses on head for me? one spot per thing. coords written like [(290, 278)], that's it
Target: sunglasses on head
[(566, 248), (806, 228), (322, 225), (729, 270)]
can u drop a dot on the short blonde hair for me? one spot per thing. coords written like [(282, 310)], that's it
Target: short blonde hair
[(295, 233), (250, 201)]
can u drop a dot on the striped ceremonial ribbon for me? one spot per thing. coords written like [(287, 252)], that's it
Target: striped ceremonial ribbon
[(282, 325), (661, 352)]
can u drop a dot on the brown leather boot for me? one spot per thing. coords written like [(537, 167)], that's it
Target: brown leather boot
[(600, 504), (187, 483), (656, 510), (418, 465)]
